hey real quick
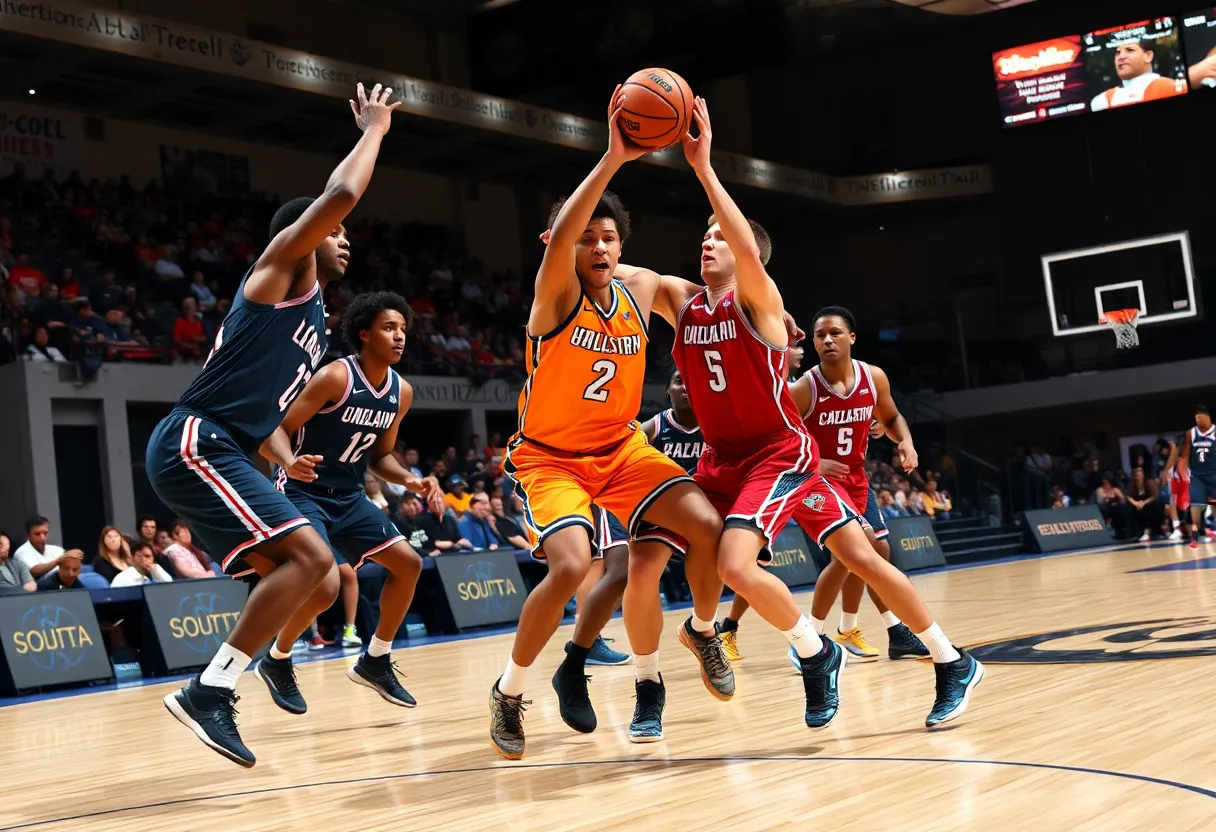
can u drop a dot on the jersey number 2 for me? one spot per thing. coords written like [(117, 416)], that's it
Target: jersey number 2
[(844, 441), (355, 449), (595, 390)]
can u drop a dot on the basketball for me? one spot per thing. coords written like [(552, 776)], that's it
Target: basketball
[(658, 108)]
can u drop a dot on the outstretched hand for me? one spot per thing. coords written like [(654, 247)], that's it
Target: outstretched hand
[(303, 468), (373, 112), (619, 145), (697, 150)]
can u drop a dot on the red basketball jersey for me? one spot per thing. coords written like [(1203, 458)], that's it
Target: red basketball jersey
[(840, 424), (735, 381)]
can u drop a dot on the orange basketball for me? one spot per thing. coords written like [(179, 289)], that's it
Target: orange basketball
[(658, 108)]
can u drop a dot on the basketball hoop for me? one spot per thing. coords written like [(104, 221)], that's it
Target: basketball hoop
[(1123, 322)]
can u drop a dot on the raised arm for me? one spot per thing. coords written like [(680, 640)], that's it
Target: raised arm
[(328, 385), (756, 290), (557, 281), (276, 267), (651, 428), (896, 425), (385, 466)]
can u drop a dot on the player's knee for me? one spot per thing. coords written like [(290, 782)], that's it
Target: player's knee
[(736, 571), (403, 562), (315, 558), (703, 526), (327, 590), (883, 548)]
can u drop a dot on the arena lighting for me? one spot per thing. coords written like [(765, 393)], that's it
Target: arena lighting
[(495, 4), (962, 7)]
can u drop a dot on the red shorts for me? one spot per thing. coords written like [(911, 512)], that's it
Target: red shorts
[(1180, 490), (777, 483)]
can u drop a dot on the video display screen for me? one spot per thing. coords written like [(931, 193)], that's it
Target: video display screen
[(1199, 42), (1041, 81), (1135, 63)]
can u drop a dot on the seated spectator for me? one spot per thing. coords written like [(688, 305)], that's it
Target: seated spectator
[(916, 503), (40, 349), (25, 277), (202, 292), (166, 266), (475, 525), (39, 556), (1113, 506), (108, 293), (508, 531), (163, 542), (1146, 512), (115, 330), (143, 569), (65, 577), (69, 286), (441, 528), (409, 462), (14, 575), (87, 327), (147, 531), (1058, 498), (188, 560), (113, 554), (937, 503), (887, 506), (407, 522), (456, 499), (189, 334), (371, 489), (48, 311)]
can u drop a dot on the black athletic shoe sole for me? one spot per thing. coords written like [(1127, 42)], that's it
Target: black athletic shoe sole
[(359, 679), (173, 705)]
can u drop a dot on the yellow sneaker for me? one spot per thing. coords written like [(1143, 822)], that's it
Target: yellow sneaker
[(729, 645), (858, 648)]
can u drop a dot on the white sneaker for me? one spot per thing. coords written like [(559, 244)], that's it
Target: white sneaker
[(1144, 538), (351, 640), (1177, 535)]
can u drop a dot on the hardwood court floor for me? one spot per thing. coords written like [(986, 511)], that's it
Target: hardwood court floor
[(1099, 730)]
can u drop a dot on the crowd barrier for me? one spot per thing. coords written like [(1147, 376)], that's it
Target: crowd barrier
[(1075, 527)]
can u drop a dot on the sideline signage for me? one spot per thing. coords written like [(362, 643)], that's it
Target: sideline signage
[(914, 543), (51, 638), (1075, 527), (185, 622), (482, 588), (793, 558)]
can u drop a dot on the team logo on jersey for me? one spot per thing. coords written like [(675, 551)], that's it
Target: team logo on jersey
[(863, 391), (240, 53), (1166, 638), (392, 399), (815, 502), (627, 314)]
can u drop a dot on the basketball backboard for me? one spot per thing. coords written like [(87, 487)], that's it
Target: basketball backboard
[(1153, 275)]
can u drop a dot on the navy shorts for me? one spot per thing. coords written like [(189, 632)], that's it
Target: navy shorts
[(874, 517), (200, 473), (1203, 490), (609, 532), (351, 525)]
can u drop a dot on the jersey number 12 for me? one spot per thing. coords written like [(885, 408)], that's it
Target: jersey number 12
[(356, 448)]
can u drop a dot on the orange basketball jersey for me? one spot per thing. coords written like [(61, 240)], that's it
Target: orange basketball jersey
[(585, 378)]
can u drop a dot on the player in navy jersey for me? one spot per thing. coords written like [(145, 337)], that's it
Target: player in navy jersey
[(199, 457), (761, 468), (1196, 458), (344, 423)]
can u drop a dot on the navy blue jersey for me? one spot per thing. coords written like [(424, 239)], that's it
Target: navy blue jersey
[(680, 444), (1203, 453), (263, 356), (343, 432)]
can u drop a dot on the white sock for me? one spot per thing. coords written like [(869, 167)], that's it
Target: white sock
[(705, 628), (889, 619), (818, 625), (227, 666), (379, 647), (276, 653), (647, 667), (848, 620), (513, 679), (939, 646), (804, 639)]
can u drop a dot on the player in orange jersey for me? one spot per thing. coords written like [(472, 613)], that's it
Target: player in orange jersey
[(1134, 66), (578, 442)]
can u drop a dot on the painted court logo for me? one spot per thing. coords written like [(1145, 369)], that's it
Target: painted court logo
[(1166, 638)]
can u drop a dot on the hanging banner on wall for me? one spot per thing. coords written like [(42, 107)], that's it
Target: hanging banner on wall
[(39, 138), (191, 46)]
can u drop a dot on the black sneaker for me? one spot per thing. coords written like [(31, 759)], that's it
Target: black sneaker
[(507, 723), (955, 681), (821, 680), (902, 643), (647, 724), (573, 700), (211, 714), (716, 672), (380, 674), (280, 678)]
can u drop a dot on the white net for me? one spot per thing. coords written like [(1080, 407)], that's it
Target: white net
[(1125, 330)]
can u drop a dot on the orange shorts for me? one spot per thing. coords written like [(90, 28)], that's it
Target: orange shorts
[(559, 487)]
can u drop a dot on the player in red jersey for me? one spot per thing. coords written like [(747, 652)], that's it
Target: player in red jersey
[(761, 467)]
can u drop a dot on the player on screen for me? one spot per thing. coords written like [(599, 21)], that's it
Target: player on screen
[(1134, 66)]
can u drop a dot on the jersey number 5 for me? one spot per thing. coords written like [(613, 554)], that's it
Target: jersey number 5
[(303, 374), (717, 381), (595, 390), (844, 441)]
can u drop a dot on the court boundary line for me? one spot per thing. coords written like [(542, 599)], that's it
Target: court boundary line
[(424, 641), (671, 761)]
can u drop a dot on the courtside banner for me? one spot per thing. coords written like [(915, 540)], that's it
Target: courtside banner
[(51, 638), (482, 588), (187, 621), (1075, 527), (914, 543), (794, 558)]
